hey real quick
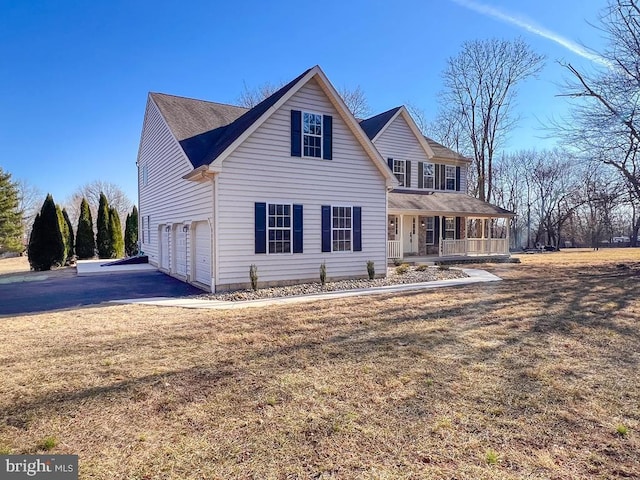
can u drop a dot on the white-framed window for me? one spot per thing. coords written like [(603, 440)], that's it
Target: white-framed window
[(400, 171), (450, 177), (428, 175), (146, 229), (145, 174), (429, 226), (311, 134), (341, 229), (449, 228), (279, 228)]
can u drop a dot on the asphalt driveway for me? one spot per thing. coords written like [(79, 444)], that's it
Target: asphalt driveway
[(40, 293)]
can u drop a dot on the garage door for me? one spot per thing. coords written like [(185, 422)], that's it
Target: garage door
[(164, 248), (181, 251), (202, 257)]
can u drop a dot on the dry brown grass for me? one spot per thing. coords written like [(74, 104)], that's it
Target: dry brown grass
[(536, 372), (14, 265)]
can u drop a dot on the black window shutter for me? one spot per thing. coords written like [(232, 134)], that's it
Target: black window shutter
[(326, 228), (357, 229), (390, 163), (327, 137), (296, 133), (297, 229), (420, 175), (436, 230), (458, 220), (443, 177), (457, 179), (261, 227), (436, 180), (407, 169)]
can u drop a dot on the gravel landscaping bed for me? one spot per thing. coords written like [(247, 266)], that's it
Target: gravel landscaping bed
[(411, 276)]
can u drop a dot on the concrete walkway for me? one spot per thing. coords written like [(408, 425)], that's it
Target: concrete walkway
[(474, 276), (86, 268)]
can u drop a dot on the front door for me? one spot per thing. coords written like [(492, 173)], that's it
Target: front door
[(410, 234)]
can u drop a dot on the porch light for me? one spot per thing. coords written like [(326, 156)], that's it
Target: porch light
[(167, 228), (185, 228), (391, 223), (422, 223)]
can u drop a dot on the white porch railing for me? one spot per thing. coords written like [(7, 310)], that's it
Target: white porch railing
[(394, 249), (476, 246)]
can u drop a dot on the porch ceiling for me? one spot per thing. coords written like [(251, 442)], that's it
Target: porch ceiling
[(440, 203)]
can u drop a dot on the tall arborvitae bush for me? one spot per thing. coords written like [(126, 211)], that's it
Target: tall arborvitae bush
[(131, 233), (46, 245), (85, 239), (116, 242), (71, 244), (64, 230), (103, 239)]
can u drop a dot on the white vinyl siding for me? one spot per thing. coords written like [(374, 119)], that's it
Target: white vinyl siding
[(398, 141), (167, 198), (263, 170)]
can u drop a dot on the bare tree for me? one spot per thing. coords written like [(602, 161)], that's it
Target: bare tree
[(355, 100), (91, 191), (605, 122), (250, 97), (479, 90), (30, 200)]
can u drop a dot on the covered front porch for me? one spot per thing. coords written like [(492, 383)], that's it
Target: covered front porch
[(413, 235), (445, 225)]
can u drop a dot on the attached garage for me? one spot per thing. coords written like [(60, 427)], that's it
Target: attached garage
[(181, 251), (165, 245), (202, 253)]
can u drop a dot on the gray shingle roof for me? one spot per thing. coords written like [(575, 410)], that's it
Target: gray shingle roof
[(445, 203), (373, 125), (206, 129)]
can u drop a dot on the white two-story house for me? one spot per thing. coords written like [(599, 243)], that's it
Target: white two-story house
[(430, 212), (293, 183)]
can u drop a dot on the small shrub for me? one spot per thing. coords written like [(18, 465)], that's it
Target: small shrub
[(47, 443), (443, 267), (253, 275), (622, 430), (323, 274), (5, 450), (491, 457), (422, 268), (397, 262), (371, 269), (402, 269)]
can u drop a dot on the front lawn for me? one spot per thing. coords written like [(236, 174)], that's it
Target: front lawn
[(533, 377)]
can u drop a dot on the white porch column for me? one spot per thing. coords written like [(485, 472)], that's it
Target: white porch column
[(400, 221), (489, 235), (508, 227), (440, 228)]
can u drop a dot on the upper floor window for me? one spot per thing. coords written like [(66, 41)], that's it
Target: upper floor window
[(312, 134), (428, 172), (400, 171), (279, 228), (450, 177), (145, 175)]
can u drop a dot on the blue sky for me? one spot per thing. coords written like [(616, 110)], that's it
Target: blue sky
[(74, 75)]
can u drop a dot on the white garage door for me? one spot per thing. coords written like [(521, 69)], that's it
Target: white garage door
[(164, 248), (181, 251), (202, 257)]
